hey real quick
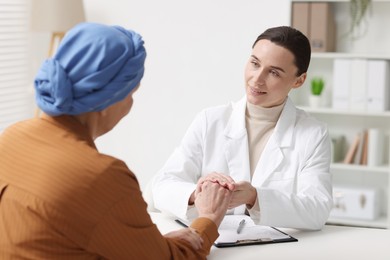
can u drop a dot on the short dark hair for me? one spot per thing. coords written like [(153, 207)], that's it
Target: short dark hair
[(294, 41)]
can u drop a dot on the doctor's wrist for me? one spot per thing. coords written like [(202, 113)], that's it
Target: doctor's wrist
[(252, 198)]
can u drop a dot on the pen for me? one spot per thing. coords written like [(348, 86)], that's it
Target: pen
[(240, 226)]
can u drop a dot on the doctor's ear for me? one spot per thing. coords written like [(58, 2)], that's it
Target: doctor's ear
[(300, 80)]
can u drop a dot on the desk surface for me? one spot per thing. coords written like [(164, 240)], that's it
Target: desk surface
[(331, 243)]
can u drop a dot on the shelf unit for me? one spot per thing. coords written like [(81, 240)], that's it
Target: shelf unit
[(373, 45)]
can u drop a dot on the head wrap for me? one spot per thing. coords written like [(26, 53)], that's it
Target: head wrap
[(95, 66)]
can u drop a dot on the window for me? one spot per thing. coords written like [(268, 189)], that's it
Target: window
[(16, 90)]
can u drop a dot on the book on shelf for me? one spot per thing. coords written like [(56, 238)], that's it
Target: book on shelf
[(378, 79), (358, 80), (316, 21), (341, 84), (300, 18), (375, 149), (364, 157), (349, 157), (322, 27), (361, 84), (361, 152), (358, 151), (337, 148), (367, 148)]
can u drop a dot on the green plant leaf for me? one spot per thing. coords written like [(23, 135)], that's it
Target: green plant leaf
[(317, 85)]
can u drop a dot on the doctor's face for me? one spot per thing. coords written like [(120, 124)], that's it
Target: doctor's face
[(270, 74)]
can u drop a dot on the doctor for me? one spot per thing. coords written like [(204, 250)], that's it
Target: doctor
[(274, 156)]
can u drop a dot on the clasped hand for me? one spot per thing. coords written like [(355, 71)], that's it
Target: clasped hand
[(214, 194), (243, 191), (212, 201)]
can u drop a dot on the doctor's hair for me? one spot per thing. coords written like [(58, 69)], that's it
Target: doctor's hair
[(294, 41)]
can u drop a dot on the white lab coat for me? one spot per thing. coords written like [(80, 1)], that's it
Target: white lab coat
[(292, 176)]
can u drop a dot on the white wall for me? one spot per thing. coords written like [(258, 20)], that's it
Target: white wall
[(197, 51)]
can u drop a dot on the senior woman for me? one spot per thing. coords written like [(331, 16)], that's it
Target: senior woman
[(62, 199)]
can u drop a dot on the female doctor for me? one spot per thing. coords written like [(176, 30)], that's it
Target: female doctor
[(274, 156)]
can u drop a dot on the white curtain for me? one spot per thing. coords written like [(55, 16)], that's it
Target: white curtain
[(16, 91)]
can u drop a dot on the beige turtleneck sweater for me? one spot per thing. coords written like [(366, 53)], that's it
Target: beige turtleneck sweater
[(260, 123)]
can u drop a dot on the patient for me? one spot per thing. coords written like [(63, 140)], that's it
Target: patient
[(62, 199)]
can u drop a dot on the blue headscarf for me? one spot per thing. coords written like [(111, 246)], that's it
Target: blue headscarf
[(95, 66)]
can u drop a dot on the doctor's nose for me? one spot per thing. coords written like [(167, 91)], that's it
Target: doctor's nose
[(259, 77)]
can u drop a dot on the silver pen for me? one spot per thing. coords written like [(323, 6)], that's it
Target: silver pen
[(240, 226)]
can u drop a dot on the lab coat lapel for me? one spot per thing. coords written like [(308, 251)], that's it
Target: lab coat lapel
[(236, 147), (282, 137)]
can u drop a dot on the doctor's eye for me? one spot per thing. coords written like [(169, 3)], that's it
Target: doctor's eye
[(275, 73)]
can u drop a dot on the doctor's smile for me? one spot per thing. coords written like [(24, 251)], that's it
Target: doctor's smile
[(256, 92)]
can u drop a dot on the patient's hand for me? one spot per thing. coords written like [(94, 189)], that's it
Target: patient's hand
[(212, 201), (223, 180)]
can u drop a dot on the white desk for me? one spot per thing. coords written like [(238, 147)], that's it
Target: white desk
[(331, 243)]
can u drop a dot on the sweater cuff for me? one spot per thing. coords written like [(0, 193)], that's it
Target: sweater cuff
[(207, 230)]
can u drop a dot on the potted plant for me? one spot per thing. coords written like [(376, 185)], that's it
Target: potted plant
[(317, 86)]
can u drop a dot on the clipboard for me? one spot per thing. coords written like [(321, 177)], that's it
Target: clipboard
[(251, 234)]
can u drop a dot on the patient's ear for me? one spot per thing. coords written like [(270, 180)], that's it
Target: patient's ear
[(300, 80), (101, 122), (102, 117), (102, 113)]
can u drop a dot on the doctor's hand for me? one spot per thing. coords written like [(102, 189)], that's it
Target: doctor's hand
[(244, 193), (223, 180), (212, 201), (187, 234)]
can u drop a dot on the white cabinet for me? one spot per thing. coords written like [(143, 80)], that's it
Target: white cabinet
[(374, 45)]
